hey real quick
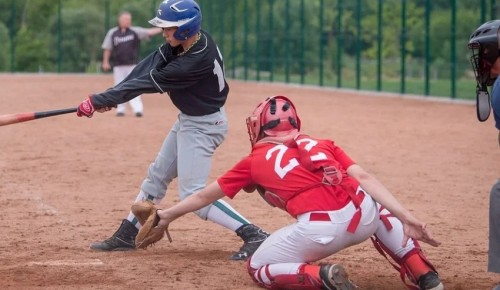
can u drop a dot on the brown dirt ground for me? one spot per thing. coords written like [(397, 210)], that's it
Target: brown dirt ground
[(66, 182)]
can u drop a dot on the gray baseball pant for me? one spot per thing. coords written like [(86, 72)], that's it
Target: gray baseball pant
[(186, 154), (494, 241)]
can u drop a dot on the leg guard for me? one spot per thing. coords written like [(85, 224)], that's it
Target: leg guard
[(400, 263), (298, 281)]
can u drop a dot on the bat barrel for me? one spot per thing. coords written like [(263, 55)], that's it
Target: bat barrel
[(23, 117)]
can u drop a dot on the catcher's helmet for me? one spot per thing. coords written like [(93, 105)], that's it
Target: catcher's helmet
[(483, 44), (275, 116), (183, 14)]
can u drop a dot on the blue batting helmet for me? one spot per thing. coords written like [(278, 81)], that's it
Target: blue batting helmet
[(183, 14)]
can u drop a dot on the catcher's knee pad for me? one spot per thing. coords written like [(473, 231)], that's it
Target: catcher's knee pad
[(298, 281)]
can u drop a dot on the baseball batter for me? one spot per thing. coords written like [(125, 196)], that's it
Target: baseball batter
[(337, 204), (485, 61), (189, 68), (121, 44)]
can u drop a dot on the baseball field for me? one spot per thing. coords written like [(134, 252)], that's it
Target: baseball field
[(67, 181)]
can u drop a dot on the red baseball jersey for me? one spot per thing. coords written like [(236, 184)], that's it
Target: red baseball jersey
[(294, 172)]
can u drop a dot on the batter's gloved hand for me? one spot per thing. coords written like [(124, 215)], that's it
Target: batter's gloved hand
[(86, 108), (152, 230)]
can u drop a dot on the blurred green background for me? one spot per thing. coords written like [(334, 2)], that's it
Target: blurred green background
[(402, 46)]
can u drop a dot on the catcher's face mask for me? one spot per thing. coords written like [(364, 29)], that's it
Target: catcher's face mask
[(483, 45)]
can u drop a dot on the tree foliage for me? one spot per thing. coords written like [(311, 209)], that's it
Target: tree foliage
[(4, 48), (260, 34)]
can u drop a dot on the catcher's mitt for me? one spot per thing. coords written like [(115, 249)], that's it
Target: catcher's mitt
[(145, 212), (143, 209)]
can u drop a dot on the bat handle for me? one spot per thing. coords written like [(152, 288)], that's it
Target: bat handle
[(54, 113)]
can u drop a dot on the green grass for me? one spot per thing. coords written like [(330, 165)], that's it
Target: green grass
[(465, 88)]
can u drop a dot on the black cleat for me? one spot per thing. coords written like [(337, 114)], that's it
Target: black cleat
[(120, 114), (139, 114), (253, 237), (334, 277), (122, 240), (430, 281)]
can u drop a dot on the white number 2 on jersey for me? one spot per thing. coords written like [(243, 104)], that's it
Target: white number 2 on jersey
[(292, 163), (281, 171), (219, 72)]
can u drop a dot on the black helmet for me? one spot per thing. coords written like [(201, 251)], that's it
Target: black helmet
[(483, 44)]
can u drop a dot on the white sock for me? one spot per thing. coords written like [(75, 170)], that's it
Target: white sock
[(223, 214), (141, 196)]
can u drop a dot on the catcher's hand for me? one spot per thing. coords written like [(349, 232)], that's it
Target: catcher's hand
[(150, 232)]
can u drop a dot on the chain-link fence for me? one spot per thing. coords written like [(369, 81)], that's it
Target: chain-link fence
[(405, 46)]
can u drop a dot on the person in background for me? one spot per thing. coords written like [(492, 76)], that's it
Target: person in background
[(121, 49)]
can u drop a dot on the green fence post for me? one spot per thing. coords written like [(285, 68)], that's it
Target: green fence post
[(245, 40), (403, 46), (106, 15), (427, 46), (221, 4), (59, 37), (339, 42), (233, 39), (151, 44), (271, 46), (483, 11), (302, 41), (379, 45), (492, 10), (13, 36), (321, 40), (209, 18), (358, 44), (287, 41), (257, 38), (453, 53)]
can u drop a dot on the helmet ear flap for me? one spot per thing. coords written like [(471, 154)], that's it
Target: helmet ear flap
[(253, 127)]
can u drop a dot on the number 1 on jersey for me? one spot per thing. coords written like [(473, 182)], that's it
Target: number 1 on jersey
[(219, 72)]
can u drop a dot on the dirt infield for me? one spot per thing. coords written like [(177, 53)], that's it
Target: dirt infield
[(66, 182)]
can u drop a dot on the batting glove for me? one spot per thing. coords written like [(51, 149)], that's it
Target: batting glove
[(86, 108)]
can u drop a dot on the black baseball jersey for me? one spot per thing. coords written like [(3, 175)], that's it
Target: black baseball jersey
[(194, 81), (125, 47)]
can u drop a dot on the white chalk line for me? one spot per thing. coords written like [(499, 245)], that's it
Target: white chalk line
[(76, 263)]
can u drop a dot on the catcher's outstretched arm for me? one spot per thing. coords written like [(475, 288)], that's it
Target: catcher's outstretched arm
[(156, 225), (196, 201), (413, 228)]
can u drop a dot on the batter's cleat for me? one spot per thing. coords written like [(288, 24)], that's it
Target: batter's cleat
[(122, 240), (138, 114), (253, 237), (334, 277), (430, 281), (120, 114)]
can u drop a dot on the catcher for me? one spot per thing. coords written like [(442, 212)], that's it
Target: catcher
[(337, 204)]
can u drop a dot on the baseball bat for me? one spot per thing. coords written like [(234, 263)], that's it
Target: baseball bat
[(23, 117)]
